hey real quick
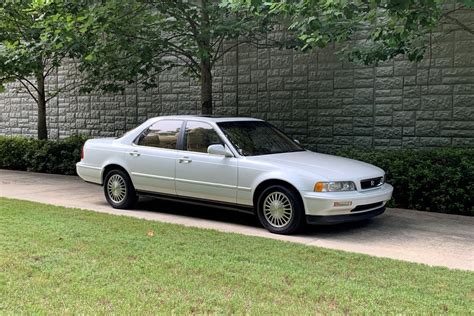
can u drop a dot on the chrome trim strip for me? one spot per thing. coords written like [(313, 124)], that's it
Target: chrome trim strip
[(244, 188), (151, 176), (208, 183), (191, 181), (89, 167)]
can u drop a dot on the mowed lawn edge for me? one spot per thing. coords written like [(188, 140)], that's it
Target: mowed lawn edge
[(63, 260)]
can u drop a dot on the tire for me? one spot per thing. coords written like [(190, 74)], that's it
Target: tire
[(285, 216), (125, 197)]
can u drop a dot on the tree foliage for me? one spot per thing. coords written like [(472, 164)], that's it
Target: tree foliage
[(133, 41), (378, 30), (120, 42), (32, 46)]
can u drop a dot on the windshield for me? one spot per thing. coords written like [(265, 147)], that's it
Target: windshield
[(253, 138)]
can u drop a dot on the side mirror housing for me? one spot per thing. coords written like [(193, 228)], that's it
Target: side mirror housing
[(218, 149)]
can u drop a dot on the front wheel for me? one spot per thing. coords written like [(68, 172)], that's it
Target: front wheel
[(280, 210), (119, 190)]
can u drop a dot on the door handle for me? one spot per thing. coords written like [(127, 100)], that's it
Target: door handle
[(134, 153), (184, 160)]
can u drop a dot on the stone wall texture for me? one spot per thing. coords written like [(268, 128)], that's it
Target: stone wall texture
[(315, 97)]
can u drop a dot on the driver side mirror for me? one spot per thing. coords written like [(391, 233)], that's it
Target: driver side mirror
[(218, 149)]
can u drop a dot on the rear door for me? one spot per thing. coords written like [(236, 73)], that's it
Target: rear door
[(202, 175), (153, 157)]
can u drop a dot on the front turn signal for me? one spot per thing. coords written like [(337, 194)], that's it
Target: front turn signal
[(319, 187)]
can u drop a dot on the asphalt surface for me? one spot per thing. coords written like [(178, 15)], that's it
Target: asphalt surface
[(422, 237)]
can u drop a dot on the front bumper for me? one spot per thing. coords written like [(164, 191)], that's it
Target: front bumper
[(337, 219), (322, 204)]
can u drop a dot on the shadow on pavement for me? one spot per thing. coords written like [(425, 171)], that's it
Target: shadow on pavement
[(234, 217), (196, 211)]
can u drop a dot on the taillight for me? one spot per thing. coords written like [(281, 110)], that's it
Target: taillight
[(82, 153)]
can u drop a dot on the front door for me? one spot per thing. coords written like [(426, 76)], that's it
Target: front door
[(202, 175), (153, 157)]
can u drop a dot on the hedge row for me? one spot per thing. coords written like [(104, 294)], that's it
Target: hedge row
[(49, 156), (436, 180)]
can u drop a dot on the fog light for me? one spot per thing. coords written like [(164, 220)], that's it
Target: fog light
[(346, 203)]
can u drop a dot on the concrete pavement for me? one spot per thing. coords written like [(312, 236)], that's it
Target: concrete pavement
[(430, 238)]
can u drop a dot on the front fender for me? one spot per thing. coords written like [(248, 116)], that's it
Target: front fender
[(294, 180), (250, 179)]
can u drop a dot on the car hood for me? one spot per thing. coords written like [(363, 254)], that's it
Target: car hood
[(325, 166)]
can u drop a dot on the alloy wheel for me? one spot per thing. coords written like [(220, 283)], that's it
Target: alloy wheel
[(277, 209), (116, 188)]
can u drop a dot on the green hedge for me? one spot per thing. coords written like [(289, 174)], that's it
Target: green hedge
[(50, 156), (436, 180)]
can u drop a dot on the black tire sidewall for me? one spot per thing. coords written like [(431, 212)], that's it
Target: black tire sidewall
[(298, 210), (130, 194)]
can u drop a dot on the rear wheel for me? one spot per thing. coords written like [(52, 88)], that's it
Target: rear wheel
[(119, 190), (280, 210)]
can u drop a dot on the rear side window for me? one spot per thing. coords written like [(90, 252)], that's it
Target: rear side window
[(199, 136), (162, 134)]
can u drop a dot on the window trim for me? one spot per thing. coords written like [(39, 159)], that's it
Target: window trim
[(179, 137), (224, 143)]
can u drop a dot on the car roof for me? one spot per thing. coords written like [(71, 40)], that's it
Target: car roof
[(208, 118)]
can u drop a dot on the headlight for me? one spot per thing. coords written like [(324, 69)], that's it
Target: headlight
[(334, 186)]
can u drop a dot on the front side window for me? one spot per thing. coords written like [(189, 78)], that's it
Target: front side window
[(162, 134), (199, 136), (253, 138)]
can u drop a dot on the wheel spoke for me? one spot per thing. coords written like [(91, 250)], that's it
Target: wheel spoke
[(116, 188), (277, 209)]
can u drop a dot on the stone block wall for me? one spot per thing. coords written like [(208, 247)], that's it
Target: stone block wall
[(315, 97)]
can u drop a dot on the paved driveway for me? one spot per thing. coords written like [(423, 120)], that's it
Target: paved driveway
[(434, 239)]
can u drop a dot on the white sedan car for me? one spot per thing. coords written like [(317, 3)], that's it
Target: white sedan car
[(235, 163)]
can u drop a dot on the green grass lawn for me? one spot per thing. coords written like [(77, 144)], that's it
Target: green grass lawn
[(59, 260)]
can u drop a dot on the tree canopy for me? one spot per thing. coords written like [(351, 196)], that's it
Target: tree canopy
[(120, 42), (136, 40), (378, 29), (32, 47)]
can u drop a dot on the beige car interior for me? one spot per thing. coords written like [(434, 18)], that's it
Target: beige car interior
[(155, 139), (198, 139)]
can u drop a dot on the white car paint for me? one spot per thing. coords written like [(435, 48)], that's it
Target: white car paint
[(231, 180)]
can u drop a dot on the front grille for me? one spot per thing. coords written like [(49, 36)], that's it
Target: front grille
[(371, 183), (366, 207)]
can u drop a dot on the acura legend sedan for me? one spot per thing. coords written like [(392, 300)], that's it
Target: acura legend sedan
[(234, 163)]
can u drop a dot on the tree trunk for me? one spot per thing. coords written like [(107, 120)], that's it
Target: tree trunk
[(204, 43), (206, 87), (42, 128)]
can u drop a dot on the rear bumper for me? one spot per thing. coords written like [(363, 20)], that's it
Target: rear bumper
[(337, 219), (89, 173)]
